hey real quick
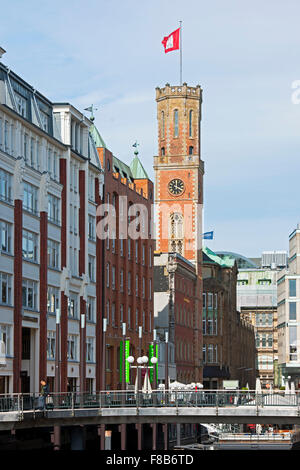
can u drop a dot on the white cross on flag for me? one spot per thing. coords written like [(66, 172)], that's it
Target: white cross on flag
[(171, 42)]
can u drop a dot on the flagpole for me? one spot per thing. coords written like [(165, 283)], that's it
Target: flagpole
[(180, 23)]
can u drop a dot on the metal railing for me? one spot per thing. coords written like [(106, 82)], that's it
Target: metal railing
[(157, 398), (284, 436)]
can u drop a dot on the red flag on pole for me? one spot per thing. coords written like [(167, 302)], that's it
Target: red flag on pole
[(171, 42)]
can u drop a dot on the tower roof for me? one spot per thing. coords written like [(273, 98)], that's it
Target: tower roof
[(99, 142), (137, 169)]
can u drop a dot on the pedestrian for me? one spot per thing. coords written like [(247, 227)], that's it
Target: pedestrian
[(44, 393)]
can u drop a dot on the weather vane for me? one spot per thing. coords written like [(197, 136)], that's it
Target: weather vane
[(91, 109), (136, 152)]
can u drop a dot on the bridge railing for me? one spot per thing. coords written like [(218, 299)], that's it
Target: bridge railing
[(156, 398)]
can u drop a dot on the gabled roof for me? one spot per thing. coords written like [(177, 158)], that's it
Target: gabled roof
[(137, 169)]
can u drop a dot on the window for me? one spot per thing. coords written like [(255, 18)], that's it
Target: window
[(136, 285), (5, 340), (21, 103), (136, 251), (121, 280), (150, 289), (191, 150), (107, 274), (90, 349), (91, 309), (129, 317), (129, 248), (53, 254), (25, 147), (191, 123), (292, 311), (136, 318), (270, 341), (121, 314), (30, 246), (92, 267), (32, 152), (53, 295), (44, 120), (204, 300), (292, 287), (144, 288), (257, 340), (129, 283), (121, 242), (209, 300), (293, 342), (107, 312), (72, 347), (113, 277), (92, 227), (176, 130), (30, 198), (53, 208), (5, 186), (73, 306), (162, 125), (143, 255), (5, 286), (29, 294), (204, 322), (5, 237), (51, 345)]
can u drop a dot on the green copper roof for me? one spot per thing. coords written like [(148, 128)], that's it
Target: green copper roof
[(226, 262), (137, 169), (99, 142)]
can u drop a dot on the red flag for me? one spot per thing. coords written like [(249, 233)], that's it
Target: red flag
[(171, 42)]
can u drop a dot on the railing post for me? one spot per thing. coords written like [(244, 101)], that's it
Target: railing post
[(72, 403)]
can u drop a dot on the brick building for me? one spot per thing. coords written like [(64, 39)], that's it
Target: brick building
[(128, 262), (229, 351), (179, 197)]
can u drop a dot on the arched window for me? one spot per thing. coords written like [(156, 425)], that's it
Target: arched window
[(176, 131), (176, 233), (163, 151), (191, 123), (191, 150), (162, 125)]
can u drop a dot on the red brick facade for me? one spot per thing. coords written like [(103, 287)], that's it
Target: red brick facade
[(128, 275)]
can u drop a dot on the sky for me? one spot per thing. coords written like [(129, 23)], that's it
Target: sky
[(245, 56)]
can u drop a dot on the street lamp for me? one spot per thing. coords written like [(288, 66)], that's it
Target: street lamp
[(56, 429)]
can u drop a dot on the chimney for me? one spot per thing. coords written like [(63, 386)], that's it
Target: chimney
[(2, 51)]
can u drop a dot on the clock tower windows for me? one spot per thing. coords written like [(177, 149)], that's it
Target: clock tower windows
[(176, 127)]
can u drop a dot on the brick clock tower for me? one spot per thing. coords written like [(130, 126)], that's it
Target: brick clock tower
[(179, 172), (179, 188)]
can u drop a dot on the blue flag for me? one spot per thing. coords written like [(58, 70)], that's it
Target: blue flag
[(208, 235)]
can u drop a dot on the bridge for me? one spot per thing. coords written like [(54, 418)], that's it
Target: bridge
[(21, 411)]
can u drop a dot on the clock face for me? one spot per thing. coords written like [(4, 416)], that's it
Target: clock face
[(176, 187)]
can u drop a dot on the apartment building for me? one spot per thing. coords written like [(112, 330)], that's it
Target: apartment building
[(51, 182)]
